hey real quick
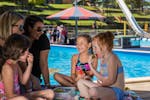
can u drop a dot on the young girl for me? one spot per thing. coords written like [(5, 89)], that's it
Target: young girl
[(110, 84), (80, 67), (16, 49)]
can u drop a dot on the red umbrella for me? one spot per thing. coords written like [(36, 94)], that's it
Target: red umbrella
[(76, 13)]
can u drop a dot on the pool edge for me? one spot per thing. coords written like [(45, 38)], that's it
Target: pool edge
[(123, 50), (137, 80)]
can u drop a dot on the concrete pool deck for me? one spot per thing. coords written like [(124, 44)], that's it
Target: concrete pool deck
[(140, 85), (142, 89)]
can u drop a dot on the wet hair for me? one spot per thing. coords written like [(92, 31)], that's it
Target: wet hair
[(105, 38), (7, 20), (30, 22), (13, 47), (86, 36)]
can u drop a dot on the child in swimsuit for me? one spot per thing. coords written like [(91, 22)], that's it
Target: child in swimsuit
[(16, 49), (110, 79), (79, 67)]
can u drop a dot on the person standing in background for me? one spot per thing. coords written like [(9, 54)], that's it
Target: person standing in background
[(64, 34)]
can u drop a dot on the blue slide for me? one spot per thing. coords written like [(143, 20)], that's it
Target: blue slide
[(130, 18)]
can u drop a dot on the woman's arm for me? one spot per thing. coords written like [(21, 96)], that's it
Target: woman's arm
[(44, 66), (44, 46), (8, 80)]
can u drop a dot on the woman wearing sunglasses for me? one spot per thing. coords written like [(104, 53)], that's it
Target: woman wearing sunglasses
[(10, 23), (33, 26)]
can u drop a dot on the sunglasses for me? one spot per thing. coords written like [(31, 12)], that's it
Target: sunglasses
[(20, 27), (39, 29)]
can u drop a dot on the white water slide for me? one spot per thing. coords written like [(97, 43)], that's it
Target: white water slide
[(132, 20)]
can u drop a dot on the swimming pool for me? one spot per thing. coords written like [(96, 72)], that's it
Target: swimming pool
[(135, 64)]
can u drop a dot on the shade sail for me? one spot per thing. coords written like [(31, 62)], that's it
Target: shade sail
[(76, 13)]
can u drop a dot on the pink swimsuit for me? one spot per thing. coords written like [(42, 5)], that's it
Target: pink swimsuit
[(16, 86)]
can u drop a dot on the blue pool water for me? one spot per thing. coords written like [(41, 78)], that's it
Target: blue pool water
[(135, 64)]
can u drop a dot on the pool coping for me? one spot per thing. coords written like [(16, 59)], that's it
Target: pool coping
[(129, 50), (59, 45), (137, 80)]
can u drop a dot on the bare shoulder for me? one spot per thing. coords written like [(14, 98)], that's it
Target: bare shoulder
[(116, 59), (7, 69), (74, 57)]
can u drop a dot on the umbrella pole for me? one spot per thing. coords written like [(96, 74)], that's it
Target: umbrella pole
[(76, 27)]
